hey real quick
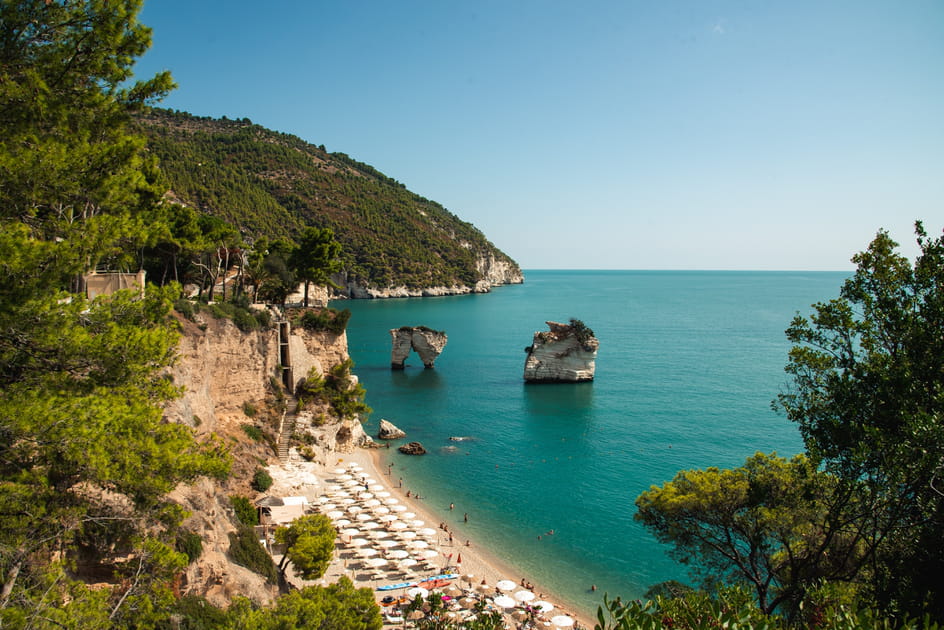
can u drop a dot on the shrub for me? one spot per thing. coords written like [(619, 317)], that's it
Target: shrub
[(245, 321), (250, 409), (186, 308), (326, 319), (254, 432), (190, 544), (192, 612), (245, 511), (264, 318), (261, 480), (245, 550)]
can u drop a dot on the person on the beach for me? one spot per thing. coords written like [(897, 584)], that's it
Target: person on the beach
[(452, 506), (465, 517)]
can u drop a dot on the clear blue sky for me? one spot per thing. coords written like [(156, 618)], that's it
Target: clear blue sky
[(613, 135)]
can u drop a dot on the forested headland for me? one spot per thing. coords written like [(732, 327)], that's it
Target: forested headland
[(266, 184)]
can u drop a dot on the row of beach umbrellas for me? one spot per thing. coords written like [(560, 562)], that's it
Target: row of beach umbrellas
[(373, 510)]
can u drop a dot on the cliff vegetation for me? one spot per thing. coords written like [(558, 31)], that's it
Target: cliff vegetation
[(263, 182)]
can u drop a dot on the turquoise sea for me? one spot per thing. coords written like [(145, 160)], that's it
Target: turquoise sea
[(689, 362)]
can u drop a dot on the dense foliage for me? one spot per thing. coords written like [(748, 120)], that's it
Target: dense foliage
[(270, 184), (309, 545), (868, 395), (862, 513), (339, 390)]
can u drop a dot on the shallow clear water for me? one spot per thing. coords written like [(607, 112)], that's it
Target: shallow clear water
[(688, 365)]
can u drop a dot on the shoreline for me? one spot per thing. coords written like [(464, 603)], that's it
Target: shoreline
[(477, 559)]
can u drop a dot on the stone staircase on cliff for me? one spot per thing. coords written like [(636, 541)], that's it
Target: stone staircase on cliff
[(287, 427)]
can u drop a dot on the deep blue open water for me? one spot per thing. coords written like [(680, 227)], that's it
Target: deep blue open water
[(689, 362)]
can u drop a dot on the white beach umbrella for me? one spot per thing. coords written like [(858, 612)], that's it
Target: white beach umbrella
[(380, 533), (505, 585), (398, 525), (364, 516), (562, 621), (386, 518), (351, 531), (376, 487), (367, 552), (398, 554), (429, 553), (525, 596), (327, 507), (354, 509), (418, 590), (365, 495), (503, 601), (376, 562), (417, 544), (417, 523), (340, 494), (543, 606), (335, 514), (391, 500), (359, 542), (322, 499), (367, 479), (344, 477), (339, 471), (348, 501), (383, 494), (342, 522), (382, 510), (402, 508), (408, 535), (387, 544), (406, 563), (427, 531), (372, 503), (370, 525)]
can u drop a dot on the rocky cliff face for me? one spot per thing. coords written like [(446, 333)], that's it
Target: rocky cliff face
[(222, 370), (564, 354), (427, 343)]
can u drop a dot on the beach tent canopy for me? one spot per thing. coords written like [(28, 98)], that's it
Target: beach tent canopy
[(269, 501)]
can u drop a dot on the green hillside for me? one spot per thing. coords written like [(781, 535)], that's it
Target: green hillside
[(272, 184)]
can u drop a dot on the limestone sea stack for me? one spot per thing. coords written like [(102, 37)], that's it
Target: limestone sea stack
[(427, 343), (564, 354), (389, 431)]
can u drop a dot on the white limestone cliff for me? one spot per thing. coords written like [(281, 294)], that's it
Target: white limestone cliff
[(495, 272), (564, 354)]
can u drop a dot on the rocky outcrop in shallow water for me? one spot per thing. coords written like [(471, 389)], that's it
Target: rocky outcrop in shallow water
[(389, 431), (565, 354), (413, 448), (426, 342)]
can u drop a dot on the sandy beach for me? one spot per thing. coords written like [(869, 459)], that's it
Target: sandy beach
[(477, 565)]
